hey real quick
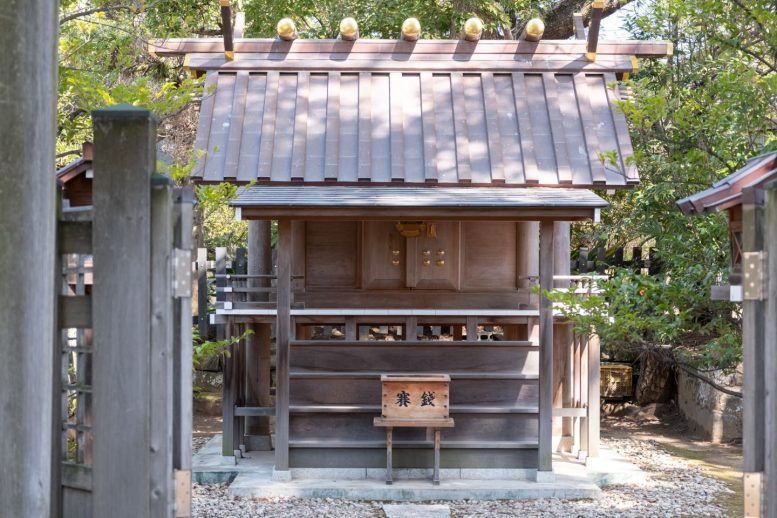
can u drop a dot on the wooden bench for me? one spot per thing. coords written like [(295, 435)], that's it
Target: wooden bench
[(419, 401)]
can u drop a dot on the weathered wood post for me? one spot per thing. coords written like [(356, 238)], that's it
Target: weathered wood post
[(770, 355), (563, 334), (124, 160), (545, 459), (527, 263), (258, 353), (282, 338), (753, 447), (182, 352), (28, 33)]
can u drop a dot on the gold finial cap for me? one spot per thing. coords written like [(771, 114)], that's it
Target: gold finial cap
[(411, 29), (534, 29), (286, 28), (349, 29), (473, 29)]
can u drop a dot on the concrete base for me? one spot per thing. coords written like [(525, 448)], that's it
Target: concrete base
[(255, 476)]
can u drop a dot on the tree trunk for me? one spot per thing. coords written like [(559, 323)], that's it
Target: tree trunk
[(656, 379)]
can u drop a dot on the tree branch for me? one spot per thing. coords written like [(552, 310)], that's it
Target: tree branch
[(558, 20), (87, 12), (708, 381)]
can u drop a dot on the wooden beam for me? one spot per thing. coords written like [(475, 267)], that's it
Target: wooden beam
[(545, 453), (226, 27), (28, 342), (181, 46), (444, 214), (597, 6), (282, 338)]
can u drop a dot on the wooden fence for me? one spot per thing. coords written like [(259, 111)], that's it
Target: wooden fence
[(123, 423), (600, 260)]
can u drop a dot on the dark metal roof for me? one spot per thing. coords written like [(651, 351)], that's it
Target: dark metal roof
[(407, 197), (446, 118), (729, 191)]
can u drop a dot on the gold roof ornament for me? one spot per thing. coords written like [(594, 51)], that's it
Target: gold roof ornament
[(473, 29), (533, 30), (349, 29), (287, 30), (411, 29)]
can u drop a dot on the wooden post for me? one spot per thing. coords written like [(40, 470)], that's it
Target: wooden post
[(583, 452), (282, 337), (258, 352), (182, 354), (562, 235), (228, 445), (753, 352), (28, 343), (545, 461), (160, 418), (202, 293), (593, 395), (124, 159), (770, 358)]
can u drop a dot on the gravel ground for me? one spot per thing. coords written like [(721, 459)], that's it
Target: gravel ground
[(198, 442), (673, 487)]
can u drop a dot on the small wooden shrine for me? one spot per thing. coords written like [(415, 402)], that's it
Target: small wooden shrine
[(423, 188)]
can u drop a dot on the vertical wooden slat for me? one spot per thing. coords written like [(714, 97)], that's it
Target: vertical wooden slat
[(267, 142), (228, 396), (491, 105), (248, 163), (202, 293), (625, 150), (397, 128), (332, 158), (524, 129), (182, 358), (204, 123), (589, 124), (770, 357), (351, 329), (546, 348), (593, 395), (472, 329), (124, 159), (429, 127), (216, 153), (460, 126), (283, 335), (300, 127), (365, 127), (583, 396), (557, 128), (236, 126), (160, 418)]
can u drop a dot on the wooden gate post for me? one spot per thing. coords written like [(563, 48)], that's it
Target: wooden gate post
[(124, 160), (753, 447), (28, 33), (770, 355), (545, 453), (282, 338)]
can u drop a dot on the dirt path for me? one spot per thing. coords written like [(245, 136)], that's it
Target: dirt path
[(720, 461)]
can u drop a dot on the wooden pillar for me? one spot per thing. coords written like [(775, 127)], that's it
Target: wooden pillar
[(583, 396), (563, 353), (770, 358), (593, 395), (546, 348), (282, 337), (124, 159), (28, 32), (528, 265), (258, 366)]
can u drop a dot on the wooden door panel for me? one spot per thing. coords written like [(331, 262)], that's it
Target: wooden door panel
[(488, 255), (331, 250), (384, 256), (437, 258)]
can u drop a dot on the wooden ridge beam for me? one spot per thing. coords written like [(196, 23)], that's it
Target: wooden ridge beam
[(445, 48)]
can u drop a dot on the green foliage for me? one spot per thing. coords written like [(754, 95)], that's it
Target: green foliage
[(204, 350), (695, 119), (218, 219)]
